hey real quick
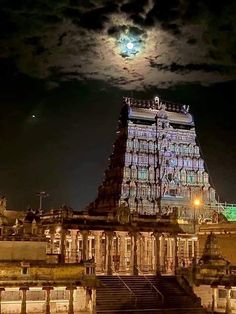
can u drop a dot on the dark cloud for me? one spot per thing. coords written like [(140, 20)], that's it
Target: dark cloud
[(93, 19), (166, 11), (81, 36), (192, 41), (186, 68), (134, 7), (116, 31), (72, 13)]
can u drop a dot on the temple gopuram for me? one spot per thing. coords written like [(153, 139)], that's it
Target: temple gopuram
[(156, 167), (155, 237)]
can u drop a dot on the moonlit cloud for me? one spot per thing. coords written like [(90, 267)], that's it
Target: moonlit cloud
[(187, 41)]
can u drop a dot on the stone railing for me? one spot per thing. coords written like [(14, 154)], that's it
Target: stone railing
[(23, 237), (23, 271)]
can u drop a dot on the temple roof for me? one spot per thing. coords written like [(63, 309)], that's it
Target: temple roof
[(150, 109)]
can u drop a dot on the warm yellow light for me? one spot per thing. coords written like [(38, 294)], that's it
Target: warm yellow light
[(197, 202), (58, 229)]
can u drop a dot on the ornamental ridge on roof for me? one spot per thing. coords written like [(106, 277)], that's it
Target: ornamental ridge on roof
[(156, 104)]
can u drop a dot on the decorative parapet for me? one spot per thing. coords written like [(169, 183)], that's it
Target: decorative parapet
[(156, 104), (40, 272), (18, 250), (23, 237)]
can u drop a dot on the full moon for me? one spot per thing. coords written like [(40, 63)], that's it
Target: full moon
[(130, 45)]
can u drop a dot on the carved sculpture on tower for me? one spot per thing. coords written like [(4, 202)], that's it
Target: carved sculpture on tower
[(156, 167)]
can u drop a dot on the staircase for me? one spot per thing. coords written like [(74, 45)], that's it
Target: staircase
[(139, 294)]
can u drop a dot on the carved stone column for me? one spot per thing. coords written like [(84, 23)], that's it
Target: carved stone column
[(1, 290), (116, 258), (23, 300), (85, 244), (175, 254), (144, 259), (122, 252), (109, 238), (52, 237), (63, 247), (157, 253), (228, 309), (74, 246), (162, 257), (93, 302), (214, 297), (47, 300), (89, 300), (71, 299), (98, 251), (135, 256)]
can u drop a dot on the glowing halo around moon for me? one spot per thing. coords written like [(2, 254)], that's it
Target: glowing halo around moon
[(129, 45)]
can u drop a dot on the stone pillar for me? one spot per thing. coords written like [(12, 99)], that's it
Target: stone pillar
[(52, 237), (186, 254), (74, 246), (47, 301), (104, 258), (144, 259), (89, 293), (165, 253), (141, 251), (157, 253), (162, 257), (23, 300), (197, 250), (63, 247), (98, 251), (214, 298), (94, 311), (1, 290), (228, 309), (85, 245), (122, 252), (135, 256), (175, 254), (170, 256), (71, 299), (109, 238)]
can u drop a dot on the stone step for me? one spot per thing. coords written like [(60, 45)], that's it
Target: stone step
[(155, 311), (112, 297)]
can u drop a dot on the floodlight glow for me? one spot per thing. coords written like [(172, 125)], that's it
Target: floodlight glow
[(197, 202), (230, 212)]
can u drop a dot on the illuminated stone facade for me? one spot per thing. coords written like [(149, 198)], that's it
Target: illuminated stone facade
[(156, 166), (44, 288), (35, 281), (144, 219)]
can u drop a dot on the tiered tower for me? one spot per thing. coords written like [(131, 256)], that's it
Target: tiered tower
[(156, 166)]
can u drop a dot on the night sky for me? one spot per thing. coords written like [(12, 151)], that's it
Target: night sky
[(64, 70)]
